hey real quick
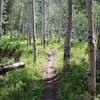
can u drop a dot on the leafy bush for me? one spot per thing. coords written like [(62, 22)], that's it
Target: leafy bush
[(8, 51), (5, 45)]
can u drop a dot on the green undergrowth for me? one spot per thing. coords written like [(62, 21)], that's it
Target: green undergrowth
[(5, 61), (8, 50), (73, 85), (27, 83)]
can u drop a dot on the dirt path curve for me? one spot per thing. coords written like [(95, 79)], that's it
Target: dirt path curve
[(50, 77)]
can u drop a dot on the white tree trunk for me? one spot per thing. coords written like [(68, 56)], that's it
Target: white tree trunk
[(34, 33), (67, 36), (43, 23)]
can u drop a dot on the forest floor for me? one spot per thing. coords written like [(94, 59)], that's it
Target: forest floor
[(27, 83)]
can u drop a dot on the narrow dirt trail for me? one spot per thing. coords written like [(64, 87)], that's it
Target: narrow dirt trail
[(50, 77)]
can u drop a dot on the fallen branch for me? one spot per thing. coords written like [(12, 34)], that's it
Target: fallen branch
[(10, 67)]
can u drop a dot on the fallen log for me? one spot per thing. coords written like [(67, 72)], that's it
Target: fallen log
[(10, 67)]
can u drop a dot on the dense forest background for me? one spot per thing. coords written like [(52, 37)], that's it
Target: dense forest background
[(29, 28)]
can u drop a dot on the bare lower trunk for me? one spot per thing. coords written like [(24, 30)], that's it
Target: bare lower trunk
[(34, 33), (43, 23), (30, 34), (60, 15), (48, 18), (98, 60), (92, 67), (10, 16), (67, 36), (20, 19), (98, 52)]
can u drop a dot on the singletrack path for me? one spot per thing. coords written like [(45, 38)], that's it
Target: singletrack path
[(50, 78)]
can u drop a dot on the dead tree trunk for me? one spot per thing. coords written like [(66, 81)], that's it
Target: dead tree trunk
[(92, 67), (8, 68)]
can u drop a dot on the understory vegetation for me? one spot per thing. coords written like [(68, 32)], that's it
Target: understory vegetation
[(49, 49), (27, 83)]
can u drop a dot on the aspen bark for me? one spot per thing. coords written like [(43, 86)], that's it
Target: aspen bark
[(11, 2), (34, 34), (20, 19), (92, 67), (43, 23), (67, 36), (60, 15)]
